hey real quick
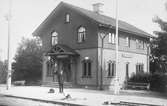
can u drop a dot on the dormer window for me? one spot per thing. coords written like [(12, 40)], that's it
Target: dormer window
[(81, 34), (67, 18), (54, 38)]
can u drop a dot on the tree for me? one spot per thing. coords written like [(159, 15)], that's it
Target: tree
[(3, 71), (28, 60), (159, 48)]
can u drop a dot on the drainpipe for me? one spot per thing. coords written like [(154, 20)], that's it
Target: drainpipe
[(102, 36)]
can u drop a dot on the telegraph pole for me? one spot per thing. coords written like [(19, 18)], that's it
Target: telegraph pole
[(8, 18), (116, 83)]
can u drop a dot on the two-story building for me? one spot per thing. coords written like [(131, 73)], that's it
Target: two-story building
[(71, 38)]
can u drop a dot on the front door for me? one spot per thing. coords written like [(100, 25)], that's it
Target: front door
[(66, 66), (67, 71)]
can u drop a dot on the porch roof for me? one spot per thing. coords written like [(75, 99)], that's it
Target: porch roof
[(60, 49)]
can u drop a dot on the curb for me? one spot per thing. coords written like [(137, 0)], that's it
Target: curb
[(46, 101)]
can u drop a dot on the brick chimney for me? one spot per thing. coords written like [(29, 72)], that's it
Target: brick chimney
[(97, 8)]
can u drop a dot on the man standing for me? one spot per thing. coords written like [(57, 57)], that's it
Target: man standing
[(60, 80)]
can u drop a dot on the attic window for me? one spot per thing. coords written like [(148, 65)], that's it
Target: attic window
[(67, 18), (54, 38)]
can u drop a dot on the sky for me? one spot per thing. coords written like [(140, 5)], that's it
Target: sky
[(27, 15)]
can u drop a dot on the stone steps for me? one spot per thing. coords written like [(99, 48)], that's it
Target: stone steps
[(56, 85)]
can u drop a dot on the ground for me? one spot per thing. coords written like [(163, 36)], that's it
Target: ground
[(79, 97), (9, 101)]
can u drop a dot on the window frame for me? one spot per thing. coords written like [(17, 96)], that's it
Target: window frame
[(67, 18), (139, 68), (127, 41), (127, 65), (54, 37), (81, 35), (49, 70), (139, 44), (86, 68), (111, 38), (111, 70)]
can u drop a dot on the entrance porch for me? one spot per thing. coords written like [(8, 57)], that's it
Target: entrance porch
[(60, 56)]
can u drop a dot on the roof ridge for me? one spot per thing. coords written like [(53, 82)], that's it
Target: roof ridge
[(97, 18), (108, 18)]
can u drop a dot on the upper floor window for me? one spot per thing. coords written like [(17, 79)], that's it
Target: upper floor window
[(111, 68), (127, 42), (81, 34), (139, 44), (111, 38), (139, 67), (86, 66), (54, 38), (67, 17)]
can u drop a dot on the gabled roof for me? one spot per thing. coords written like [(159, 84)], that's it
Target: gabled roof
[(60, 49), (105, 20)]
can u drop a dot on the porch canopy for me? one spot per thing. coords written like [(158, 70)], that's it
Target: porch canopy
[(61, 51)]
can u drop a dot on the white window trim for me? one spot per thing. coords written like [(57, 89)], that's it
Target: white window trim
[(127, 41), (139, 44), (81, 37), (88, 72), (54, 38), (111, 38), (112, 69), (67, 18)]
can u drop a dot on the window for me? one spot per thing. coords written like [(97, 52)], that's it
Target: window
[(139, 44), (139, 67), (127, 41), (127, 70), (49, 68), (54, 38), (111, 38), (111, 68), (86, 68), (81, 34), (67, 18)]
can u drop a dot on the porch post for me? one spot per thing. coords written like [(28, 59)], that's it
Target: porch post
[(73, 71), (44, 68)]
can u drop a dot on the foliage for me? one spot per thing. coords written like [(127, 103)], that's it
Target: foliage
[(158, 58), (140, 77), (158, 82), (28, 60), (3, 71), (159, 49)]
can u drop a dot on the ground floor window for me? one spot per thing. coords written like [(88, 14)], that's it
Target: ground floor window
[(86, 68), (111, 68), (49, 69), (139, 67), (127, 70)]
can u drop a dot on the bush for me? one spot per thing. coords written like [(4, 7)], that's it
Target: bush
[(33, 83), (140, 78), (158, 82)]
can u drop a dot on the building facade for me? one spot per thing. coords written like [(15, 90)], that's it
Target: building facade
[(72, 40)]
